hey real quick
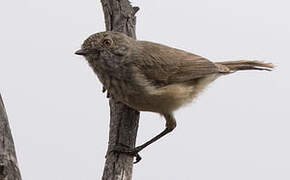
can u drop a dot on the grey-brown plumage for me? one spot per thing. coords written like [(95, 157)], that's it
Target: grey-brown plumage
[(153, 77)]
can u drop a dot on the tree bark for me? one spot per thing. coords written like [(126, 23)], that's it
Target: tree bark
[(120, 17), (8, 163)]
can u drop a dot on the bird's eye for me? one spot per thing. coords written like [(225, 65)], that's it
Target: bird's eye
[(107, 42)]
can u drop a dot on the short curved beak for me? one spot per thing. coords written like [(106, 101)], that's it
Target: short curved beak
[(81, 52)]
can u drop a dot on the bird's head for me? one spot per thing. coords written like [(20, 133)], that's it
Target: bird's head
[(105, 45)]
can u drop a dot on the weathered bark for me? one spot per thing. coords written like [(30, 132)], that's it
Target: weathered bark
[(120, 16), (8, 163)]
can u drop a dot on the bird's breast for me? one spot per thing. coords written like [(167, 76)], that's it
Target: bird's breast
[(119, 82)]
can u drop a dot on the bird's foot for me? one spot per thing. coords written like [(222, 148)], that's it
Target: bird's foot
[(121, 148), (104, 89), (108, 93)]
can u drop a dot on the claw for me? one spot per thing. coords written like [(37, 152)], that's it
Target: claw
[(108, 94), (104, 89), (138, 158), (129, 151)]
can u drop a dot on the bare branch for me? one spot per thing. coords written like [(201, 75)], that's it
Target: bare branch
[(8, 163), (120, 17)]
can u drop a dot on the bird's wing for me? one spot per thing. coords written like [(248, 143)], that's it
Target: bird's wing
[(163, 64)]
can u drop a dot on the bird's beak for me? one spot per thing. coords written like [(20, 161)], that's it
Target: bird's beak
[(81, 52), (87, 51)]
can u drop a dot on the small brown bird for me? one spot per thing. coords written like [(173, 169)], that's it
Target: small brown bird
[(152, 77)]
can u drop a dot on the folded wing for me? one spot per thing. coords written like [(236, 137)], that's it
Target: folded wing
[(166, 65)]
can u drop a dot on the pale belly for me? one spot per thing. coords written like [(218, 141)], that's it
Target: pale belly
[(143, 96), (168, 98)]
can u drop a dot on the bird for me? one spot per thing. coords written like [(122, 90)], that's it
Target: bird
[(148, 76)]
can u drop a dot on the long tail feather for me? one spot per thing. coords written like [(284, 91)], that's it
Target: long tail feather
[(232, 66)]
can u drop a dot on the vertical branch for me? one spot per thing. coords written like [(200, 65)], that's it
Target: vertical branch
[(120, 17), (8, 163)]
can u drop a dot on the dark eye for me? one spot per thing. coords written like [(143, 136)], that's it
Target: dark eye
[(107, 42)]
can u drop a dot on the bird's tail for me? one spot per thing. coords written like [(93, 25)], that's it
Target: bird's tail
[(232, 66)]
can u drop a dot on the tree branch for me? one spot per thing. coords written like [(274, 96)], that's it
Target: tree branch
[(120, 17), (8, 163)]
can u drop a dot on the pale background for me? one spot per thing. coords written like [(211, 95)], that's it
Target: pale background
[(238, 129)]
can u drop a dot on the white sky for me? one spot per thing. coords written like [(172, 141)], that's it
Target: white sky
[(238, 129)]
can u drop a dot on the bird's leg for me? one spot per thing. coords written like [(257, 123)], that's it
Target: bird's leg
[(170, 125)]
